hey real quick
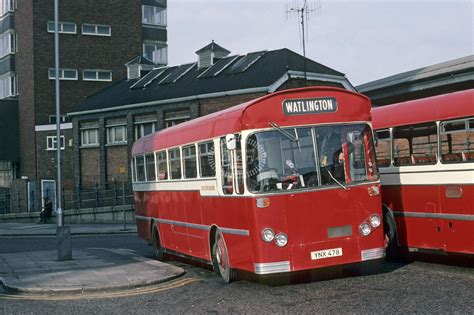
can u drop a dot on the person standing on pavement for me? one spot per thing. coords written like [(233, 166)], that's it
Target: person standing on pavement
[(47, 210)]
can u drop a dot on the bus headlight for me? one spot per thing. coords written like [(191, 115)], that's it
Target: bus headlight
[(364, 229), (375, 221), (268, 235), (281, 239)]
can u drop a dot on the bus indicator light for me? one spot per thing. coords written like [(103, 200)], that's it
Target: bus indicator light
[(263, 202)]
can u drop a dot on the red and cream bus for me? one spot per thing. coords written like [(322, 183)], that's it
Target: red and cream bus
[(282, 183), (425, 154)]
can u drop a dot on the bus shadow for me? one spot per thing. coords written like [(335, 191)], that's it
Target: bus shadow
[(324, 274)]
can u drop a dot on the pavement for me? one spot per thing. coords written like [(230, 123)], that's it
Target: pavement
[(90, 270)]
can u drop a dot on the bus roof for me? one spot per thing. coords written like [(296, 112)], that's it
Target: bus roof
[(441, 107), (258, 113)]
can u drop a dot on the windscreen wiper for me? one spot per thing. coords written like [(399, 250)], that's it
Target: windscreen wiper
[(339, 183), (287, 134)]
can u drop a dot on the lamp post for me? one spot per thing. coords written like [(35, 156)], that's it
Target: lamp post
[(63, 234)]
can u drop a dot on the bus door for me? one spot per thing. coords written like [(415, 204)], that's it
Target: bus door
[(457, 200)]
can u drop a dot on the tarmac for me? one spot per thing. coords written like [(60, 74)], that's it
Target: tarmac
[(90, 270)]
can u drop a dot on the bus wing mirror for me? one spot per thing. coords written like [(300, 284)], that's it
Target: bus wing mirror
[(230, 141)]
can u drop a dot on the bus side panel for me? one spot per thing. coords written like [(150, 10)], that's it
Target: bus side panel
[(197, 237), (411, 204), (229, 214), (143, 224), (458, 233)]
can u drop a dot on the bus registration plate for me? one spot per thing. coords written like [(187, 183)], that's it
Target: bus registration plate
[(327, 253)]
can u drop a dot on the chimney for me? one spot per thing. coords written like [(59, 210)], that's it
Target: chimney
[(208, 54), (138, 66)]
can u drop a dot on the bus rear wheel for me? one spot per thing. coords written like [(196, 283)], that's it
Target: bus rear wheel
[(156, 243), (220, 259)]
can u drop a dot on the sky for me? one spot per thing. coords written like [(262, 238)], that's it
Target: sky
[(365, 39)]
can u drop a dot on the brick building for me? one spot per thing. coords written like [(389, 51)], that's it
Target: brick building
[(106, 124), (96, 39)]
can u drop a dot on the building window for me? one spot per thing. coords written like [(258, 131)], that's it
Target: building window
[(64, 74), (52, 119), (52, 144), (7, 6), (89, 137), (97, 75), (116, 135), (8, 86), (6, 173), (177, 117), (156, 52), (98, 30), (144, 128), (7, 43), (64, 27), (154, 15)]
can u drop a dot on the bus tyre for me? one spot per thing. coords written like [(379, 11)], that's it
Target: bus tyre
[(220, 259), (390, 231), (156, 243)]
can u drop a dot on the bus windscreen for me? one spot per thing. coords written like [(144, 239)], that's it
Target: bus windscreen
[(310, 157)]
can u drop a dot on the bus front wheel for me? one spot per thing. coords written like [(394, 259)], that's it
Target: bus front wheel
[(220, 259), (156, 243)]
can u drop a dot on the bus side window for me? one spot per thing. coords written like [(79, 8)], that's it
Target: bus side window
[(382, 148), (415, 145), (226, 169), (457, 141), (175, 163), (162, 165), (139, 160), (207, 159), (189, 158), (150, 167)]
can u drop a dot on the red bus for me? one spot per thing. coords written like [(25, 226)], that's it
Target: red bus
[(282, 183), (425, 154)]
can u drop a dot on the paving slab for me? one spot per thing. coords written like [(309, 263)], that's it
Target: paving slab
[(91, 269)]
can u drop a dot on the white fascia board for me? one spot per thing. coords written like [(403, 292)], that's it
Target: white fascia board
[(52, 127)]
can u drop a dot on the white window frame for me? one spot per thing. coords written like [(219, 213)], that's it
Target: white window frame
[(7, 6), (155, 11), (111, 134), (7, 43), (155, 57), (139, 128), (8, 85), (51, 143), (96, 71), (61, 74), (96, 30), (87, 143), (61, 27)]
